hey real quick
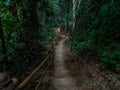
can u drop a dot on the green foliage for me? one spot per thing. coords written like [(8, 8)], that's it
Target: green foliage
[(27, 26), (81, 47), (97, 29), (111, 60), (4, 4)]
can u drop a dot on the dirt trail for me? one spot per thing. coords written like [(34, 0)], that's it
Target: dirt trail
[(62, 80)]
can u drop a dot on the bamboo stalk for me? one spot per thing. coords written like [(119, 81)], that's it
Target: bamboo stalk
[(27, 79), (40, 80)]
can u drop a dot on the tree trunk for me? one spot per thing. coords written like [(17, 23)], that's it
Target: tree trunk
[(4, 50), (74, 19), (67, 17), (74, 7)]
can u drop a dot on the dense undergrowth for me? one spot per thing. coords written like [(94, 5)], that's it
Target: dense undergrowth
[(98, 30), (27, 27)]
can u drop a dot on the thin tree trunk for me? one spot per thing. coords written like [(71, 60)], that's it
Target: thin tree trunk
[(67, 17), (74, 7), (74, 19), (4, 50), (78, 6)]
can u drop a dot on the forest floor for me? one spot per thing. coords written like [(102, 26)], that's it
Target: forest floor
[(69, 71), (62, 79), (86, 70), (81, 72)]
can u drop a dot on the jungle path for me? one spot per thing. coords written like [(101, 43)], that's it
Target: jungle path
[(62, 80)]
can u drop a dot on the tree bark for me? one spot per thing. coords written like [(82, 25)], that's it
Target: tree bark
[(74, 7), (73, 20), (67, 17), (4, 49)]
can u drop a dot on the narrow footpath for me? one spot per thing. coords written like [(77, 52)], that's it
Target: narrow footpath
[(62, 80)]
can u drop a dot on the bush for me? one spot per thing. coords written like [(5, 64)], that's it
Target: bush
[(97, 29)]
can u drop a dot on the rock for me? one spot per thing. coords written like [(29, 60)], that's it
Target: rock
[(6, 83)]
